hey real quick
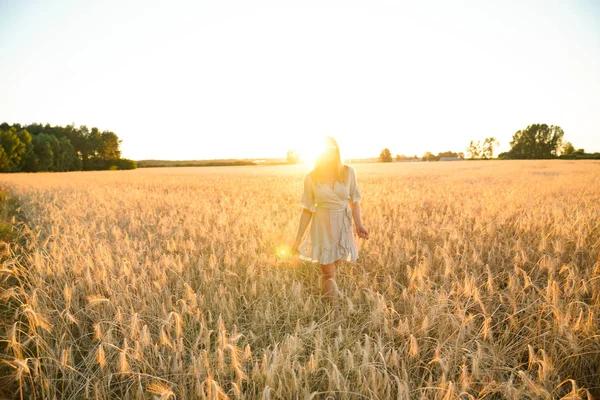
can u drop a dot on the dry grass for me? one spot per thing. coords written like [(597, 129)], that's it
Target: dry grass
[(481, 279)]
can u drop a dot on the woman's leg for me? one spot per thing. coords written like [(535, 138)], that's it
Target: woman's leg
[(337, 263), (329, 286)]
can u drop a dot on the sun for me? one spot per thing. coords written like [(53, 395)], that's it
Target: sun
[(308, 155), (310, 151), (312, 147)]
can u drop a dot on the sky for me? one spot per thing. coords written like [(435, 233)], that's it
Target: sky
[(250, 79)]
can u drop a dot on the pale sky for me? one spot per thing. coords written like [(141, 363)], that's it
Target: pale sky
[(223, 79)]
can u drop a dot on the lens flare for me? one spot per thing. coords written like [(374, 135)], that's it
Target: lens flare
[(283, 252)]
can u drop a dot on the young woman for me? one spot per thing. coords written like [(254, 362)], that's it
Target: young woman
[(330, 200)]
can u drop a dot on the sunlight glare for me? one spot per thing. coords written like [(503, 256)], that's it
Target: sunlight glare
[(283, 252), (308, 155), (312, 150)]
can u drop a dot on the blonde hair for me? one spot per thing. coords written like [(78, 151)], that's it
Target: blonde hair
[(323, 166)]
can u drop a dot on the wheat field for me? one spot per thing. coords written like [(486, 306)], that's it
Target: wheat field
[(479, 280)]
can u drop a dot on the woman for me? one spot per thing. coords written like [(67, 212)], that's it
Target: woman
[(330, 200)]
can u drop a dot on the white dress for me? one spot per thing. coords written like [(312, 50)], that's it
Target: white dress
[(331, 236)]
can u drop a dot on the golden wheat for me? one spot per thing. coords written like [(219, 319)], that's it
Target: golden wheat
[(479, 279)]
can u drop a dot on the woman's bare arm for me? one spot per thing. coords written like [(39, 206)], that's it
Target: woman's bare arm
[(305, 218), (360, 229), (355, 207)]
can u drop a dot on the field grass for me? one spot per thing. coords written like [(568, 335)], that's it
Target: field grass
[(479, 280)]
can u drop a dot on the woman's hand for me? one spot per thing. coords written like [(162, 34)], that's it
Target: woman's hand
[(294, 248), (362, 232)]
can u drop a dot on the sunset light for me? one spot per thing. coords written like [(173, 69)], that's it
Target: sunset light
[(205, 80), (310, 152), (176, 224)]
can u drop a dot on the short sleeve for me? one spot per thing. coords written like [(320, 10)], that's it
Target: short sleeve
[(308, 196), (355, 195)]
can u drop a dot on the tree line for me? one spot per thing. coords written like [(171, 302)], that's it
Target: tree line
[(37, 148), (542, 141), (537, 141), (386, 156)]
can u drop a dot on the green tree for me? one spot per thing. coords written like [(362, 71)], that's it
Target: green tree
[(429, 156), (536, 141), (447, 154), (474, 150), (25, 138), (108, 147), (488, 147), (4, 160), (43, 147), (125, 163), (81, 145), (13, 149), (478, 150), (402, 157), (292, 157), (38, 147), (567, 149), (385, 155), (65, 157), (93, 139)]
